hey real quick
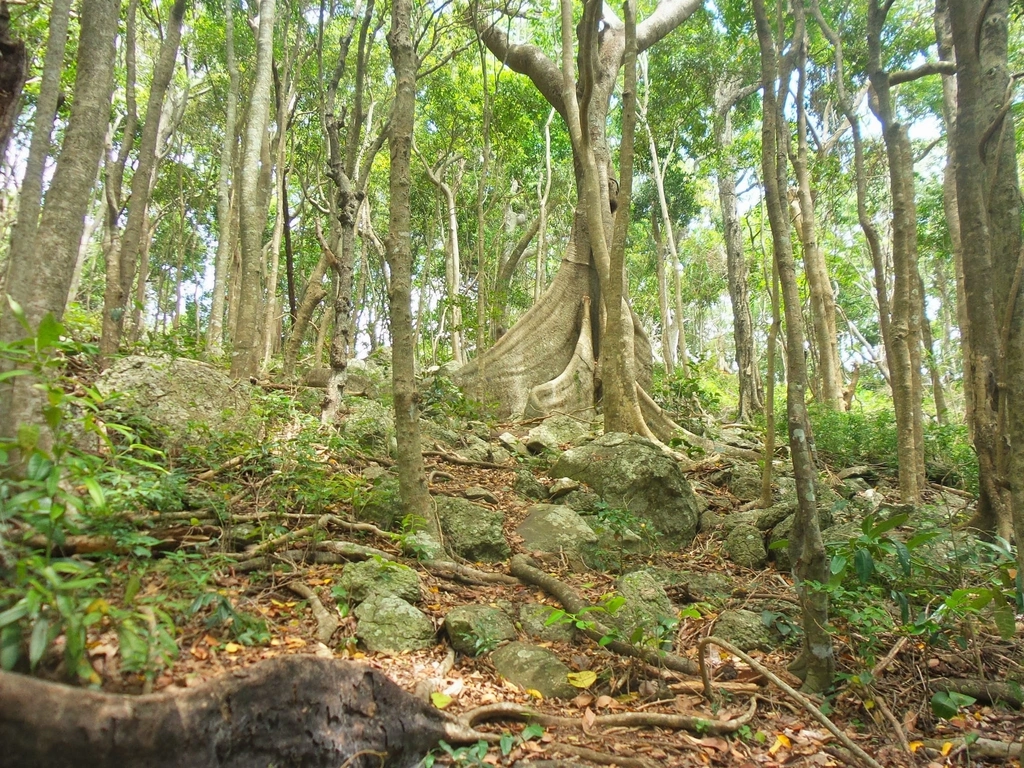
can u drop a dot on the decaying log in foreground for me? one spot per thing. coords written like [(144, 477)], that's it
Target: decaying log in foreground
[(288, 711)]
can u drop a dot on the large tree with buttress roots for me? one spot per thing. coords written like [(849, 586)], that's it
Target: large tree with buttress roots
[(581, 340)]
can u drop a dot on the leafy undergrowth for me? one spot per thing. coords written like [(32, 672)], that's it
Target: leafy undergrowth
[(131, 571)]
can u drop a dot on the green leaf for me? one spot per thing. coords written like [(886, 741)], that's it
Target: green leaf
[(532, 731), (506, 743), (11, 615), (864, 565), (946, 704), (11, 374), (99, 500), (1005, 620), (887, 525), (779, 544), (132, 589), (838, 565), (38, 641), (903, 556), (49, 332), (10, 647)]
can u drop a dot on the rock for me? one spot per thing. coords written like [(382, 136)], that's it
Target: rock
[(476, 449), (700, 586), (646, 606), (745, 546), (534, 668), (527, 485), (174, 400), (632, 473), (554, 432), (711, 521), (730, 521), (512, 444), (562, 486), (379, 578), (472, 531), (744, 629), (476, 493), (852, 486), (391, 625), (768, 518), (534, 617), (841, 534), (780, 555), (422, 545), (555, 528), (744, 481), (477, 629), (438, 433), (584, 502), (371, 425), (379, 504)]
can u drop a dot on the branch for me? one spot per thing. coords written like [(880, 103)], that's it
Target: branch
[(668, 15), (928, 68)]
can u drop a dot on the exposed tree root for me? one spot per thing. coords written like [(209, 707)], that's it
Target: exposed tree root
[(702, 725), (987, 748), (802, 700), (458, 572), (983, 690), (453, 458), (291, 710), (601, 758), (327, 623), (524, 569)]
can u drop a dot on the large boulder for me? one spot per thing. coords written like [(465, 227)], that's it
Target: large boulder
[(633, 473), (745, 546), (534, 668), (528, 486), (175, 399), (554, 528), (472, 531), (477, 629), (381, 578), (391, 625)]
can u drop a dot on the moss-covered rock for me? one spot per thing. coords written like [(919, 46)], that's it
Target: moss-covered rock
[(472, 531), (534, 668), (555, 528), (381, 578), (476, 629), (533, 617), (647, 605), (745, 546), (744, 629), (391, 625)]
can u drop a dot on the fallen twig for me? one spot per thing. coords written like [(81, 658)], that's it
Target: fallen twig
[(457, 572), (522, 567), (212, 473), (793, 693)]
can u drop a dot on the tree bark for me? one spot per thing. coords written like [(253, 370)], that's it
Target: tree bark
[(412, 479), (38, 278), (290, 710), (993, 260), (222, 264), (118, 293), (245, 357), (816, 664), (13, 71)]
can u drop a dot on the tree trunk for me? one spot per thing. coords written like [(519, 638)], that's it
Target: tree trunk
[(412, 479), (38, 278), (660, 249), (313, 294), (290, 710), (245, 356), (990, 217), (544, 195), (13, 70), (816, 664), (117, 294), (736, 264), (222, 264)]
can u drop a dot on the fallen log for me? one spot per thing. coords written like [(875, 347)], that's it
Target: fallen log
[(290, 710)]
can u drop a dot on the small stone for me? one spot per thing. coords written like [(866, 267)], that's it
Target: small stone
[(729, 522), (554, 432), (476, 493), (711, 521), (477, 629), (562, 486), (745, 546), (744, 629), (391, 625), (513, 444), (529, 486), (534, 668)]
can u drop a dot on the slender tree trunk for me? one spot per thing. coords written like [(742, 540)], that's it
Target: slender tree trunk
[(38, 279), (769, 402), (412, 480), (116, 295), (245, 356), (816, 665), (667, 348), (313, 294), (13, 71), (222, 265), (736, 264), (823, 309), (541, 277), (482, 298)]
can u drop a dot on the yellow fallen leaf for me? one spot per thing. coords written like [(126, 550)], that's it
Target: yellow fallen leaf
[(869, 704), (358, 655), (440, 700), (915, 745), (947, 747), (583, 679), (781, 742), (232, 647), (535, 693)]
